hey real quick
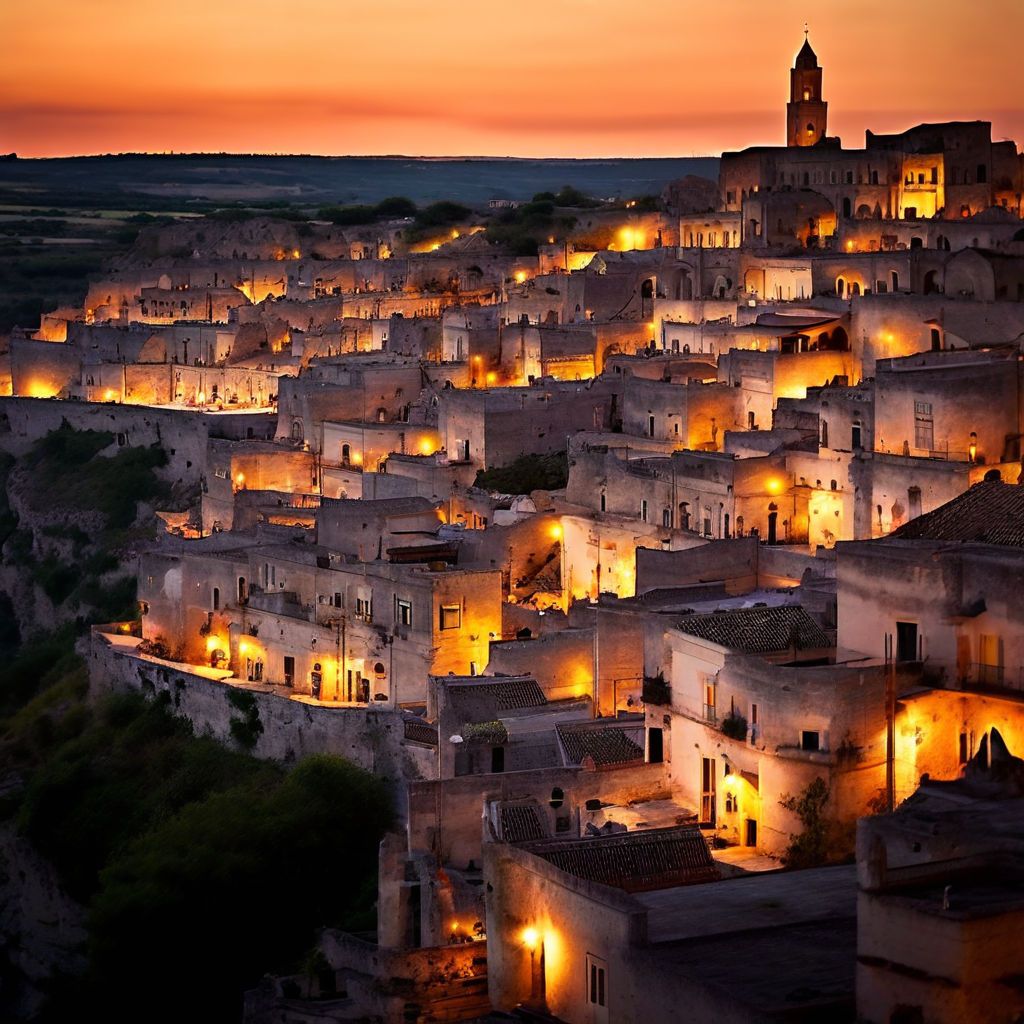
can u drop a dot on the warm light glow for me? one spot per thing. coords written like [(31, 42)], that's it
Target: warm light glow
[(426, 446), (37, 389), (201, 398), (455, 234), (556, 531), (520, 276), (212, 643), (240, 479), (296, 254), (357, 458), (491, 377), (774, 485), (243, 647), (530, 938), (109, 395), (849, 246)]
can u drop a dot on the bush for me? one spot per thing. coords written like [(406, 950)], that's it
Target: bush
[(734, 726), (528, 473)]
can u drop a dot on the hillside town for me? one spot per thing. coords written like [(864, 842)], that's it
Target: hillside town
[(670, 573)]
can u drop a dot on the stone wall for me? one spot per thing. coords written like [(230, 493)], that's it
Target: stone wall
[(371, 738)]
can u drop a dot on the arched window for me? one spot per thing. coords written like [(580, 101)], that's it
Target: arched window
[(557, 797), (296, 430), (346, 454), (810, 128)]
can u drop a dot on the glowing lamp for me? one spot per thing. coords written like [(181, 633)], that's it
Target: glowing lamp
[(108, 395), (211, 644), (240, 479), (520, 276), (491, 378), (201, 397), (243, 648), (426, 446), (774, 485), (556, 531), (295, 254), (530, 938)]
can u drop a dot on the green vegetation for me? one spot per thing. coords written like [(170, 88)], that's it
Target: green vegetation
[(814, 845), (529, 226), (386, 209), (247, 729), (528, 473), (200, 867), (68, 462)]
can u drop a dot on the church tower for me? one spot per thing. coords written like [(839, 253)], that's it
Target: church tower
[(806, 111)]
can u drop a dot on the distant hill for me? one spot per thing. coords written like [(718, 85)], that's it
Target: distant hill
[(220, 178)]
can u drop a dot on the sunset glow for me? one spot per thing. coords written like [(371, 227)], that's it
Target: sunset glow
[(573, 78)]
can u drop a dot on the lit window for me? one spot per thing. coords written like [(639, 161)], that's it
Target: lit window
[(403, 612), (451, 616)]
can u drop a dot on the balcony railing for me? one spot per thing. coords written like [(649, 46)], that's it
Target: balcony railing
[(710, 713)]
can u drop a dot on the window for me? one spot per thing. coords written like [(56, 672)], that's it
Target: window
[(216, 598), (810, 740), (710, 713), (855, 436), (936, 339), (643, 510), (650, 426), (451, 616), (824, 433), (906, 641), (666, 517), (364, 608), (403, 612), (753, 714), (289, 670), (597, 981), (924, 426), (604, 501)]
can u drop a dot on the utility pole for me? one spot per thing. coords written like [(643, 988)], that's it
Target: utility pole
[(890, 724)]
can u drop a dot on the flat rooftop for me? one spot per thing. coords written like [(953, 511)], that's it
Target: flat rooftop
[(769, 900)]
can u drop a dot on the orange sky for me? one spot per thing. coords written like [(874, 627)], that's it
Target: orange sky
[(503, 77)]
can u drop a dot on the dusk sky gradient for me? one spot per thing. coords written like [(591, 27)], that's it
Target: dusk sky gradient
[(523, 78)]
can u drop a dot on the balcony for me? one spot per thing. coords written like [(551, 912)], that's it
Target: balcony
[(997, 677), (710, 713)]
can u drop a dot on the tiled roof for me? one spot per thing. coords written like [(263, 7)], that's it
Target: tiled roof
[(606, 745), (989, 513), (521, 823), (481, 701), (635, 861), (758, 630), (420, 731)]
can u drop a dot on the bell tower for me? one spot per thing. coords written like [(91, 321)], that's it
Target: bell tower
[(806, 111)]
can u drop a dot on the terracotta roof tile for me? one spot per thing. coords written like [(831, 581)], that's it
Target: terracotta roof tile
[(758, 630), (608, 745), (989, 513), (635, 861)]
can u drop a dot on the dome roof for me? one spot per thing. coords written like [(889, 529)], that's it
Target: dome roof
[(806, 59)]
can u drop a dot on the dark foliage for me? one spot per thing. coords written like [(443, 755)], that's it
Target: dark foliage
[(528, 473)]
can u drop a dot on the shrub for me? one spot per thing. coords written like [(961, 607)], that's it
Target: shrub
[(734, 726)]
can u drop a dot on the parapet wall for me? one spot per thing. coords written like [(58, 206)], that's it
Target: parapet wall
[(371, 738)]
